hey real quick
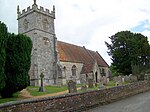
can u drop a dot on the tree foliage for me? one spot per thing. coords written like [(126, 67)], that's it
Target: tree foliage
[(3, 37), (17, 64), (128, 49), (15, 60)]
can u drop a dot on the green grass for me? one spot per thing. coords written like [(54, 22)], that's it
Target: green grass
[(34, 90), (111, 84), (14, 98)]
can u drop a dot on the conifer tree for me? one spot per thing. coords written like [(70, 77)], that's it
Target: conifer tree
[(17, 65), (127, 50), (3, 37)]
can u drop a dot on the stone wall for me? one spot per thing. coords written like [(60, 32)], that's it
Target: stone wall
[(67, 73), (77, 101)]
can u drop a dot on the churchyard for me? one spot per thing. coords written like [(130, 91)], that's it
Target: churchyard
[(33, 91)]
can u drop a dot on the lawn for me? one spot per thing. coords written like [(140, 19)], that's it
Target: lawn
[(34, 90), (14, 98)]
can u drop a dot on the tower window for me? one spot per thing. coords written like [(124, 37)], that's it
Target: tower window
[(45, 24), (25, 24)]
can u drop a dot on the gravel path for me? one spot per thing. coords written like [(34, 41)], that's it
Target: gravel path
[(26, 94)]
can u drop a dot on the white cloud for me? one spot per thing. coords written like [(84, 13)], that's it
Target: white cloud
[(86, 22)]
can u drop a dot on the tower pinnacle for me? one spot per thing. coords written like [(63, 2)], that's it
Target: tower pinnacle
[(18, 9), (34, 2)]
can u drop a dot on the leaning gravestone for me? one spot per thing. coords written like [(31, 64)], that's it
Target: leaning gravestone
[(90, 83), (72, 86)]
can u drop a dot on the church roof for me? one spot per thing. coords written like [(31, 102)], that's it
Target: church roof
[(73, 53), (100, 61)]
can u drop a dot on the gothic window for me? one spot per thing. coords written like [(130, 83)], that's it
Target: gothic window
[(45, 24), (96, 77), (74, 70), (25, 24), (103, 72)]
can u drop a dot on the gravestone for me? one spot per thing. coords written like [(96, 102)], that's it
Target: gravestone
[(104, 80), (83, 82), (72, 86), (133, 78), (102, 85), (126, 78), (90, 83), (83, 88), (118, 80)]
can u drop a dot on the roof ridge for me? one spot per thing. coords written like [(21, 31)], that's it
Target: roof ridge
[(69, 44), (102, 58), (87, 50)]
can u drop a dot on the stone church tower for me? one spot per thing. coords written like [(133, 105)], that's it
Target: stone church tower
[(38, 24)]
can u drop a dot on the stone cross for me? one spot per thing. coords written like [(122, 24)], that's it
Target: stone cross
[(42, 89)]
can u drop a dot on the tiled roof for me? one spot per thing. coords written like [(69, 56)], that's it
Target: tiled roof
[(73, 53), (100, 61)]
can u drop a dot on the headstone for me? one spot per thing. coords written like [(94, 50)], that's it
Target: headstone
[(118, 80), (133, 78), (83, 88), (83, 82), (104, 80), (102, 87), (90, 83), (126, 78), (108, 80), (72, 86)]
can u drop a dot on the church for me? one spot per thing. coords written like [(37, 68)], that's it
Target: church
[(58, 61)]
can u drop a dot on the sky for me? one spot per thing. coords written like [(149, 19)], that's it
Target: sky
[(87, 23)]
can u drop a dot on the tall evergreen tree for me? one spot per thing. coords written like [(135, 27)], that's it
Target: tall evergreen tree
[(18, 59), (127, 50), (3, 38)]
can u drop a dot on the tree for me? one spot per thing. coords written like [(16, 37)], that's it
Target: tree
[(17, 65), (114, 71), (128, 49), (3, 36)]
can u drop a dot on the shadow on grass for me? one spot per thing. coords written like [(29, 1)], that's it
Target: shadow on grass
[(14, 98)]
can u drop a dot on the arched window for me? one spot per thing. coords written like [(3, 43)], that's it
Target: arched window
[(96, 77), (103, 72), (45, 24), (73, 70), (25, 24)]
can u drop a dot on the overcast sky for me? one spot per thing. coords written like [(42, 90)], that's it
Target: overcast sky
[(87, 23)]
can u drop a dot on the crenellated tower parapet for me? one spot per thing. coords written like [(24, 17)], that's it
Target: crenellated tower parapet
[(36, 8)]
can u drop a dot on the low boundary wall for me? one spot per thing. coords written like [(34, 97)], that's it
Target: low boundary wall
[(76, 101)]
